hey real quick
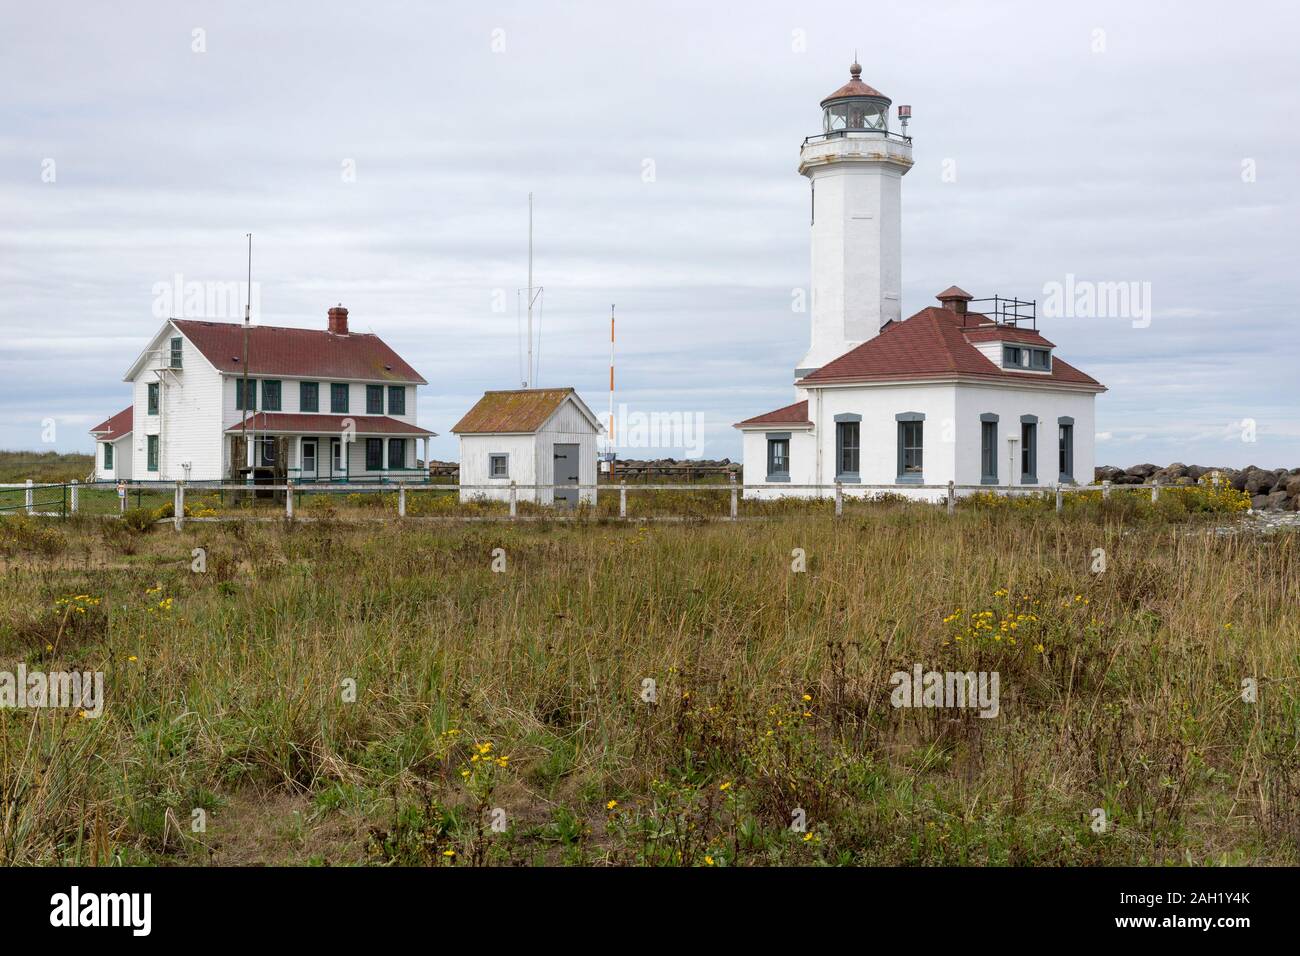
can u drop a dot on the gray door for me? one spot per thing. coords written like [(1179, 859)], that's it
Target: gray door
[(566, 473)]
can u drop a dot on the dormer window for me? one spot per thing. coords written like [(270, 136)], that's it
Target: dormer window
[(1023, 357)]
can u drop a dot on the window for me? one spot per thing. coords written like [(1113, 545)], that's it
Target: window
[(374, 454), (152, 460), (1040, 359), (498, 466), (336, 455), (153, 398), (266, 451), (397, 453), (270, 395), (1012, 357), (1065, 441), (374, 399), (910, 444), (240, 404), (778, 456), (339, 398), (176, 352), (308, 465), (988, 449), (847, 431), (108, 455), (397, 399), (1028, 449), (308, 396)]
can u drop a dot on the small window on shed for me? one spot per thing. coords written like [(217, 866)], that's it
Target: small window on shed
[(498, 466)]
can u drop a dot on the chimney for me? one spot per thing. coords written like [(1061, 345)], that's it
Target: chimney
[(954, 299), (339, 320)]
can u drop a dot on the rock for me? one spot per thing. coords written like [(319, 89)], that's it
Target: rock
[(1106, 473), (1142, 471), (1293, 486), (1239, 477), (1194, 472), (1176, 470), (1185, 480), (1259, 482), (1276, 501), (1259, 502)]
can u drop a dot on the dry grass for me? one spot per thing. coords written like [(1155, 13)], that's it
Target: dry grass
[(773, 683)]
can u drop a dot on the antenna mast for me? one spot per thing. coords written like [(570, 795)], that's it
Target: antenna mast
[(248, 303), (528, 372), (610, 438)]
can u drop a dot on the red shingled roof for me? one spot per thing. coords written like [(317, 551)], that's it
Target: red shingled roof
[(115, 427), (1005, 333), (298, 353), (933, 343), (796, 414), (327, 424)]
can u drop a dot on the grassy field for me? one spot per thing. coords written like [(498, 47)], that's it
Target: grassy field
[(16, 466), (502, 716)]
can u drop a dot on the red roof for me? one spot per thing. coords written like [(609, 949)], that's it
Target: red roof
[(933, 343), (297, 353), (115, 427), (1005, 333), (854, 87), (327, 424), (796, 414)]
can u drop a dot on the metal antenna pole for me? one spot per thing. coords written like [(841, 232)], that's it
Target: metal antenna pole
[(248, 308), (528, 375)]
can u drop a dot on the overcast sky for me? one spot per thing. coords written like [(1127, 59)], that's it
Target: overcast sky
[(382, 154)]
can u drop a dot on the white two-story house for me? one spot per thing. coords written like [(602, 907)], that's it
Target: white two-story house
[(312, 405)]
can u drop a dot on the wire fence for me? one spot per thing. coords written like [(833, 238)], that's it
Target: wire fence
[(182, 501)]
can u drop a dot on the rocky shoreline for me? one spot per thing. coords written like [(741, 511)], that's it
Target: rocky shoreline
[(1276, 489)]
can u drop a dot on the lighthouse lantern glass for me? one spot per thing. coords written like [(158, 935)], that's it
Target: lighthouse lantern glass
[(853, 114)]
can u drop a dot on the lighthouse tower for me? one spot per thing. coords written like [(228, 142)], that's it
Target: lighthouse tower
[(855, 167)]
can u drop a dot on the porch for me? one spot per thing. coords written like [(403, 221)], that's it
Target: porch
[(325, 448)]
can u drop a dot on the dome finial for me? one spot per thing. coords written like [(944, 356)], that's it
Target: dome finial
[(855, 70)]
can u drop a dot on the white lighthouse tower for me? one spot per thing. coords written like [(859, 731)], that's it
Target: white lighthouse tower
[(855, 167)]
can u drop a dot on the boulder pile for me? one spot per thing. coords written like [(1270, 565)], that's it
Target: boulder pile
[(1276, 489)]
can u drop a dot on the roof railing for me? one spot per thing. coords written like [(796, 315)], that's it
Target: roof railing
[(1002, 311), (863, 133)]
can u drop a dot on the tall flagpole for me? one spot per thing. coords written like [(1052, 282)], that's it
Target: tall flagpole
[(248, 303), (528, 374)]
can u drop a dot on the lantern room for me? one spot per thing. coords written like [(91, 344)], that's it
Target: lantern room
[(855, 106)]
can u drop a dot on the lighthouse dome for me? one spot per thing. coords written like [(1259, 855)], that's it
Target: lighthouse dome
[(855, 106)]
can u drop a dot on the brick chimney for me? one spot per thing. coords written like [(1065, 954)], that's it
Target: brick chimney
[(954, 299), (339, 320)]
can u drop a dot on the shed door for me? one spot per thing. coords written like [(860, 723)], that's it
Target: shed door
[(566, 473)]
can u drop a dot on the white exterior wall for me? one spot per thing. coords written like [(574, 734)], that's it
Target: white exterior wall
[(856, 240), (567, 426), (122, 454), (951, 435), (1009, 404), (474, 452), (290, 394), (188, 423)]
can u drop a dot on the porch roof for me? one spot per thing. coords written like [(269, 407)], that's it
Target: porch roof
[(288, 423)]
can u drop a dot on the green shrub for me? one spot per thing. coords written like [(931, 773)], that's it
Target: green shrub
[(140, 520)]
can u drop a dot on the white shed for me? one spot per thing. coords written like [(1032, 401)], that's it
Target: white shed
[(530, 436)]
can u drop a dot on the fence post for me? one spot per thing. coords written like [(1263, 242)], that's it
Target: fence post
[(514, 499), (734, 503), (27, 497), (401, 500), (622, 498), (952, 497), (178, 506), (839, 498), (121, 497), (1155, 491), (76, 494), (1105, 488), (288, 499), (1060, 500)]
